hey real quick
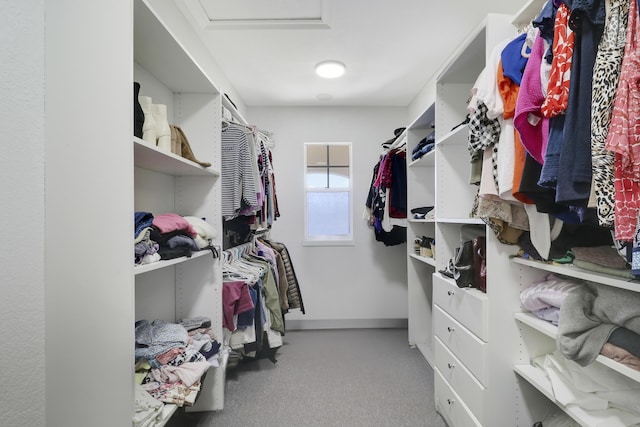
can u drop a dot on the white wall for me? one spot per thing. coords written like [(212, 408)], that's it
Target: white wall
[(427, 94), (341, 286), (22, 215), (89, 209)]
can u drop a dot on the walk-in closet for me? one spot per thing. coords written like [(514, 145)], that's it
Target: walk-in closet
[(344, 213)]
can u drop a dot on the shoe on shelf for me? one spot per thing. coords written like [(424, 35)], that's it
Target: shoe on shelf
[(138, 114), (149, 126), (163, 131)]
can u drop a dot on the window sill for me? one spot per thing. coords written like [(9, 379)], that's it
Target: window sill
[(328, 243)]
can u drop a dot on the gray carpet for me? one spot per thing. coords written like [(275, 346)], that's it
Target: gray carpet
[(352, 377)]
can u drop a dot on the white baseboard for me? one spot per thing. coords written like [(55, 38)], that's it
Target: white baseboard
[(303, 324)]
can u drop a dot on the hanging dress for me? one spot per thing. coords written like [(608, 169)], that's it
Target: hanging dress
[(606, 73), (557, 97), (573, 185), (623, 138)]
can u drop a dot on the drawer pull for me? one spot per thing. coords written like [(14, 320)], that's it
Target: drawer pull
[(451, 365), (450, 329), (451, 293), (450, 401)]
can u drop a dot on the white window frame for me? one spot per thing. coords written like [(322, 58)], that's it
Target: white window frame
[(328, 240)]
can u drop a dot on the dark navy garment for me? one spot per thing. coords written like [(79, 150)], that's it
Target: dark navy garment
[(141, 221), (398, 190), (246, 318), (574, 172), (545, 22)]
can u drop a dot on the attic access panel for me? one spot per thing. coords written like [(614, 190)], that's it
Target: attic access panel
[(260, 13)]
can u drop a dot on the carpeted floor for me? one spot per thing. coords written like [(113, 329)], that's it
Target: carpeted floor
[(352, 377)]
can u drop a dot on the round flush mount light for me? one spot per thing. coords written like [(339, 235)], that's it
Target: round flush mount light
[(330, 69)]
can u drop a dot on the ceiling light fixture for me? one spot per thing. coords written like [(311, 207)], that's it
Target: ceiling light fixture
[(330, 69)]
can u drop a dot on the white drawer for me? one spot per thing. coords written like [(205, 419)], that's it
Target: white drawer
[(450, 405), (467, 306), (462, 343), (460, 379)]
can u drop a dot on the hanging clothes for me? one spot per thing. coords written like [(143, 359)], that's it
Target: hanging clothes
[(606, 74), (386, 204), (249, 200), (238, 182), (624, 134)]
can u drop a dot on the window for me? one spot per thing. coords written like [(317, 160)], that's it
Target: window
[(328, 218)]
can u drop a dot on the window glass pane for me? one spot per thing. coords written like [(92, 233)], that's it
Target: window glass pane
[(338, 177), (316, 178), (339, 155), (316, 155), (328, 213)]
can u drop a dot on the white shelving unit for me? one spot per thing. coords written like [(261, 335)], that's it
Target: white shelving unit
[(469, 337), (536, 337), (551, 331), (420, 193), (166, 183), (467, 325)]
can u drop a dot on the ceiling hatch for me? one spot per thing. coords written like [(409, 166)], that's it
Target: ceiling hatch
[(258, 14)]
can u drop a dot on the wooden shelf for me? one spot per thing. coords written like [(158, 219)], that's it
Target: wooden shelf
[(150, 157), (155, 48), (537, 378), (461, 221), (578, 273), (424, 259), (551, 331), (426, 161), (141, 269), (458, 136), (421, 221)]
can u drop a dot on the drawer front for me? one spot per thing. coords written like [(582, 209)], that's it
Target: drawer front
[(450, 405), (462, 343), (460, 379), (467, 306)]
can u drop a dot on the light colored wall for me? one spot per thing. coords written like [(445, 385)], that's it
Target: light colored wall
[(22, 215), (427, 95), (88, 212), (352, 284)]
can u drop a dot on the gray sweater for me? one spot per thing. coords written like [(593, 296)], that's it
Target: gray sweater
[(589, 314)]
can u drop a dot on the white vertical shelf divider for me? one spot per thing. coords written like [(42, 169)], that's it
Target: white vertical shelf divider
[(420, 193)]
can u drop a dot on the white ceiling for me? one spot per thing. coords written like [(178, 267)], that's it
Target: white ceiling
[(268, 48)]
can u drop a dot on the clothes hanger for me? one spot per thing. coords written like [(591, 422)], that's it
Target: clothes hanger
[(248, 129)]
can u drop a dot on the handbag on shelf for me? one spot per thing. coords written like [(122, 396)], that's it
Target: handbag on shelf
[(463, 264), (480, 262), (468, 265)]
